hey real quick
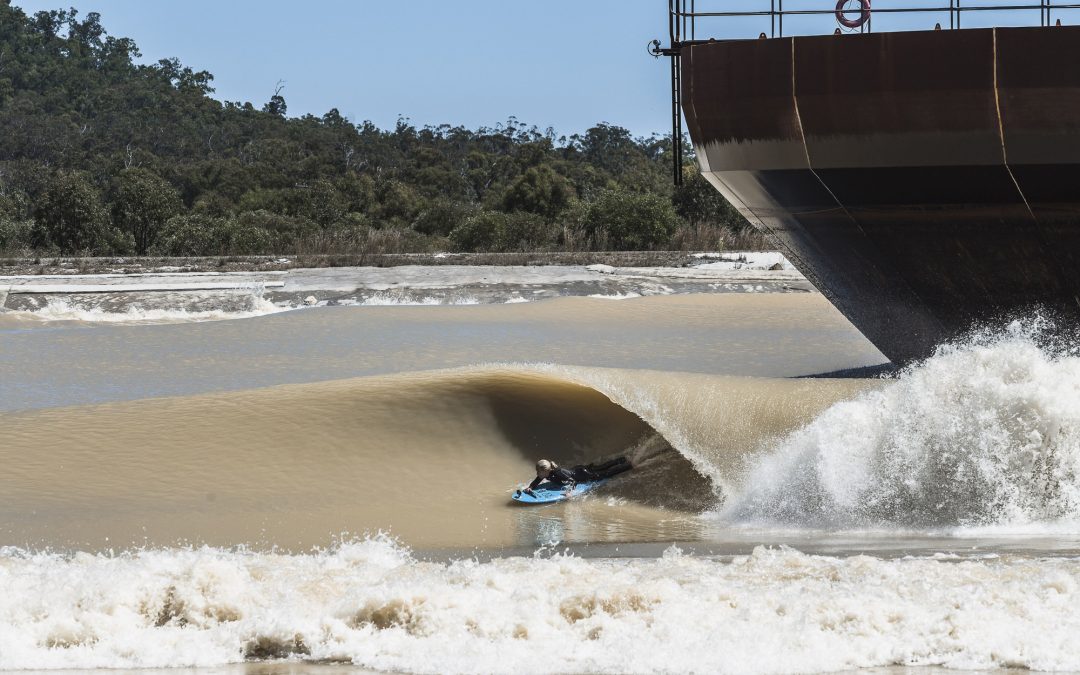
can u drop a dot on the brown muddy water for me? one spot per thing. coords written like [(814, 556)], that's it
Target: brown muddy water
[(327, 490), (427, 455)]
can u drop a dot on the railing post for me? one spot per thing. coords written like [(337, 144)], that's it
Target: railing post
[(676, 9)]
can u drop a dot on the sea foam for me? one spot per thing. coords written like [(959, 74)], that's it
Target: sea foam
[(373, 604), (984, 433)]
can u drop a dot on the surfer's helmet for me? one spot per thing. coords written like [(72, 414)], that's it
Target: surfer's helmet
[(544, 467)]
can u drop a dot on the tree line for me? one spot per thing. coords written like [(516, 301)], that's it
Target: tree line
[(101, 154)]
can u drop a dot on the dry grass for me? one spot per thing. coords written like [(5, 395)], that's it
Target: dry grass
[(391, 247), (713, 238)]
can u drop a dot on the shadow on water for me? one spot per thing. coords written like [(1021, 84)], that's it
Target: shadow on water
[(573, 424), (865, 372), (561, 421)]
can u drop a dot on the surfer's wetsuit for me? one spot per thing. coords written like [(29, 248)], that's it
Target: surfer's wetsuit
[(583, 473)]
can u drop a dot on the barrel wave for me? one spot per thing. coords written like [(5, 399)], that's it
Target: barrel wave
[(429, 456), (339, 522)]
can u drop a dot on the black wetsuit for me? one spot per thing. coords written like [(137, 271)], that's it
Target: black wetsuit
[(582, 473)]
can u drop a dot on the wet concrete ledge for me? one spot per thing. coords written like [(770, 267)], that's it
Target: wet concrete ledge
[(165, 288), (47, 265)]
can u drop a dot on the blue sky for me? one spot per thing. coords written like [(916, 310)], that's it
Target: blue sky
[(561, 63)]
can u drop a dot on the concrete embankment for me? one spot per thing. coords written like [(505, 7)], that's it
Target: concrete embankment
[(202, 291)]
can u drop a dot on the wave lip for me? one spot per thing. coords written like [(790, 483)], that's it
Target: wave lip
[(372, 604)]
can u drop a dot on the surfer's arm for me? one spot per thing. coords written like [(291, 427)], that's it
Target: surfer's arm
[(532, 485)]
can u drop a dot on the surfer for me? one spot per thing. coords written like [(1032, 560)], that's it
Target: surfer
[(561, 477)]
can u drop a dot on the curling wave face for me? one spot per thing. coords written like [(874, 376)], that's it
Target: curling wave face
[(431, 456), (983, 435), (371, 603)]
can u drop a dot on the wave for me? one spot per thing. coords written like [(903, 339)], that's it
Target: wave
[(289, 466), (982, 435), (186, 307), (148, 308), (373, 604), (981, 438), (985, 434)]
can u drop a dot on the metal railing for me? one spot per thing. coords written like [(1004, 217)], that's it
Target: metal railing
[(684, 15), (696, 21)]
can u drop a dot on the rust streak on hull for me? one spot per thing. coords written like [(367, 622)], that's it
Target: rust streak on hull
[(922, 180)]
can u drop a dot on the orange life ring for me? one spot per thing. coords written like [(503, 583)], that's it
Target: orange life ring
[(864, 14)]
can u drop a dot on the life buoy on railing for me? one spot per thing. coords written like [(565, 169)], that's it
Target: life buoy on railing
[(864, 13)]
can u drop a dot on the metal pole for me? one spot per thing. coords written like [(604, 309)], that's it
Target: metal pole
[(677, 12), (676, 122), (671, 21), (679, 19), (772, 17), (682, 13), (781, 18)]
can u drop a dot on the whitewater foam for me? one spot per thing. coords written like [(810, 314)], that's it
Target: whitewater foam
[(986, 433), (57, 309), (406, 299), (373, 604)]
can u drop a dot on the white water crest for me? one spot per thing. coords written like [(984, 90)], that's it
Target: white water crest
[(984, 433), (373, 604), (61, 309), (408, 299)]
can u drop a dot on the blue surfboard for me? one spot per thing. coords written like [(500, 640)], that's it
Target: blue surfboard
[(543, 495)]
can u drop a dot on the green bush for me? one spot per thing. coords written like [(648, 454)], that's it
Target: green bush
[(481, 232), (15, 234), (198, 235), (492, 231), (540, 191), (14, 205), (441, 216), (213, 205), (70, 216), (398, 204), (142, 202), (699, 203), (627, 220), (282, 231), (527, 232)]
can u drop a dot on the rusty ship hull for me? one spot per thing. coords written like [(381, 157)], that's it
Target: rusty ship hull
[(923, 181)]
